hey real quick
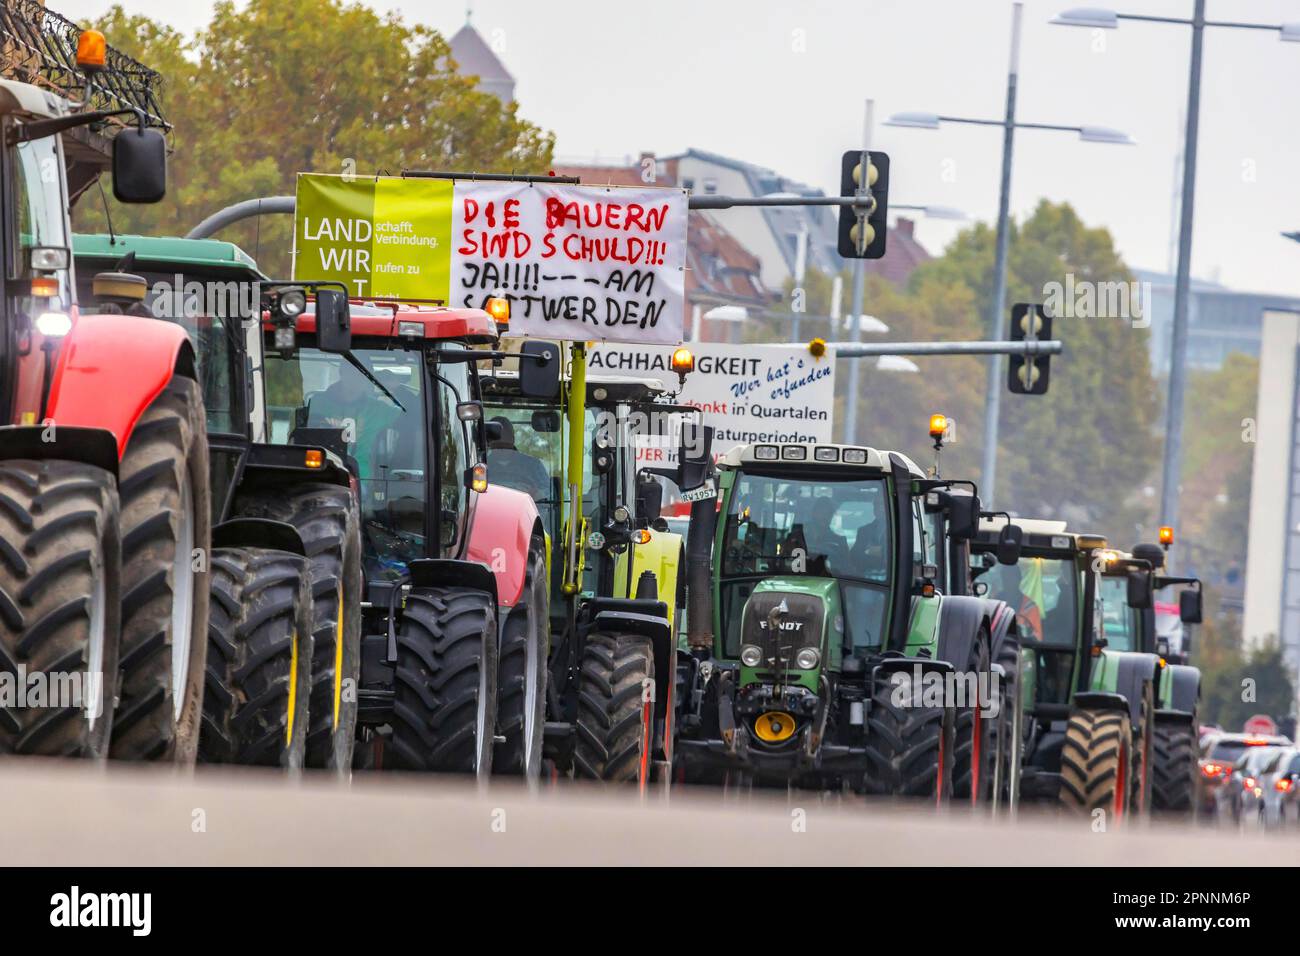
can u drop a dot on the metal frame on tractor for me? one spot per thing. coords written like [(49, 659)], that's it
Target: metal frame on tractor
[(821, 710)]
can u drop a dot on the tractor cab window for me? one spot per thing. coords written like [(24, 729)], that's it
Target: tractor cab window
[(372, 414), (211, 311), (42, 219), (1120, 623), (1043, 592), (529, 456), (455, 447)]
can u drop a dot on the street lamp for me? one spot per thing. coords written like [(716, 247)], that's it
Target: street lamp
[(1097, 18), (1087, 134)]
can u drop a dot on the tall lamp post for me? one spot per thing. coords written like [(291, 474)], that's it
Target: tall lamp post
[(1099, 19), (1087, 134)]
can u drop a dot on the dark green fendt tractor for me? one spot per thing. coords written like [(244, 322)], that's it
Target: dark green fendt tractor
[(823, 651), (1104, 717)]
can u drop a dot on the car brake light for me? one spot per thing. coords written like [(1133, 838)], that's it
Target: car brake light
[(1248, 783), (1283, 784), (1212, 769)]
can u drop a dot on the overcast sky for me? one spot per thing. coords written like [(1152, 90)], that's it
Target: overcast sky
[(782, 83)]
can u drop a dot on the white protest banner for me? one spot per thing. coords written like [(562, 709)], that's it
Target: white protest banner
[(747, 393), (587, 263)]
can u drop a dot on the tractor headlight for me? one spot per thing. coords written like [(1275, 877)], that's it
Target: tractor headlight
[(807, 658), (751, 655)]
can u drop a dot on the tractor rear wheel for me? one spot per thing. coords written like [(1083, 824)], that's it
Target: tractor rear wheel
[(1097, 762), (1010, 740), (326, 518), (445, 710), (615, 713), (1173, 766), (909, 745), (521, 688), (163, 486), (1144, 732), (60, 605), (975, 752), (256, 706)]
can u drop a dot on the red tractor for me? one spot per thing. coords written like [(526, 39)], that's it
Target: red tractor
[(103, 467), (455, 604)]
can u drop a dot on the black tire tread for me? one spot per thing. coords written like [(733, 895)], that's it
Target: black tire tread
[(58, 535), (1095, 743), (531, 616), (1173, 767), (261, 609), (611, 714), (904, 746)]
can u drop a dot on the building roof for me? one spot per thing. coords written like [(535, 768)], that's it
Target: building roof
[(475, 58)]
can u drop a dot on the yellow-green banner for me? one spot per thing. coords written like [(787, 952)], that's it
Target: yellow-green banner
[(385, 237)]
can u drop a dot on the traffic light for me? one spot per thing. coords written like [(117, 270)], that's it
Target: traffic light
[(870, 244), (1028, 374)]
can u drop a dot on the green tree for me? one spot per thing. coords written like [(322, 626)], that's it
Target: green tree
[(1081, 451), (270, 89)]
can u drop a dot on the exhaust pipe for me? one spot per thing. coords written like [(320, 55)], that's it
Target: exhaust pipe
[(699, 573)]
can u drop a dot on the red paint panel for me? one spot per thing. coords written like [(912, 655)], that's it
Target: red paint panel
[(110, 368), (499, 533)]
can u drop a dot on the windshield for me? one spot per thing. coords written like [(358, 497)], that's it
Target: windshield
[(1119, 621), (322, 399), (529, 457), (38, 201), (1227, 750), (830, 528), (1044, 593)]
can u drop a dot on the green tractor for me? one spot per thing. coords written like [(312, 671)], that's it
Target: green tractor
[(824, 652), (1177, 690), (1090, 692), (285, 574), (616, 575)]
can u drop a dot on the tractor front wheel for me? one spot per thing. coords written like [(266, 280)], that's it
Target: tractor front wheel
[(257, 701), (327, 520), (909, 745), (1097, 762), (616, 709), (445, 710), (1173, 766), (975, 754)]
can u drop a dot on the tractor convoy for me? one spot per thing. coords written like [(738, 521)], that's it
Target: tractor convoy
[(262, 522)]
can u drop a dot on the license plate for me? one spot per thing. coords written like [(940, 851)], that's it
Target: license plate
[(702, 493)]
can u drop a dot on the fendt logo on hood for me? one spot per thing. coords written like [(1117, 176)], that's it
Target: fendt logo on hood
[(776, 619)]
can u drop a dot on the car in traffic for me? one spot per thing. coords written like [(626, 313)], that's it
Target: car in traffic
[(1238, 800), (1219, 753), (1281, 797)]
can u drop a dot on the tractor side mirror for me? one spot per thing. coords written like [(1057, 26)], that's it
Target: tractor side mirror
[(333, 321), (964, 517), (1190, 606), (1010, 539), (139, 165), (695, 456), (546, 421), (649, 499), (1140, 590), (539, 369)]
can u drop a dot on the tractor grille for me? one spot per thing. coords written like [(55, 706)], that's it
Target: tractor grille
[(799, 626)]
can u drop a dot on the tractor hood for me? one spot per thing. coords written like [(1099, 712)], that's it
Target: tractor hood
[(782, 616)]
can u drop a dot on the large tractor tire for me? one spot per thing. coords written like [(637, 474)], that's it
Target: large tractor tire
[(615, 709), (909, 746), (521, 686), (1143, 755), (256, 708), (1173, 766), (1097, 762), (326, 517), (163, 486), (1010, 722), (445, 710), (60, 603), (976, 735)]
